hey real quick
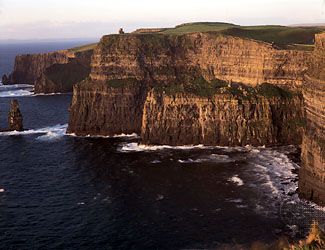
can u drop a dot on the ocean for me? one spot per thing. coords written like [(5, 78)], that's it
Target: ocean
[(59, 191)]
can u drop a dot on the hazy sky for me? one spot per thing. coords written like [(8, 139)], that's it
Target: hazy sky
[(32, 19)]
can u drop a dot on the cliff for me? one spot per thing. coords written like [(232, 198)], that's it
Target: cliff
[(15, 118), (223, 119), (51, 72), (312, 173), (179, 58), (61, 77), (116, 98), (103, 109), (30, 66)]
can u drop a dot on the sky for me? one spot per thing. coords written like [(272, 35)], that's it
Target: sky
[(56, 19)]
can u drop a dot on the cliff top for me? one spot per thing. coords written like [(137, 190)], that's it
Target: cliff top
[(287, 37), (83, 48)]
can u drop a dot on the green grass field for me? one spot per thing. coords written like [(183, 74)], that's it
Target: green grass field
[(84, 48), (283, 36), (198, 27)]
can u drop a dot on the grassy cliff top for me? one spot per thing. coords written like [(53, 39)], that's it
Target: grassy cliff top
[(280, 35), (286, 37), (198, 27), (83, 48)]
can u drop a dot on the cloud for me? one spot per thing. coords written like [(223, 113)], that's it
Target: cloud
[(54, 30)]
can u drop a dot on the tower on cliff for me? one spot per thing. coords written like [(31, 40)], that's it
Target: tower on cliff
[(15, 118)]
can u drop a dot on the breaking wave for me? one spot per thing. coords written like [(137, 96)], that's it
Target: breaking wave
[(48, 133), (136, 147), (16, 90), (129, 136), (235, 179)]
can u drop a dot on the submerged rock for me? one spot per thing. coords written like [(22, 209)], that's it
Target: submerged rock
[(5, 80), (15, 118)]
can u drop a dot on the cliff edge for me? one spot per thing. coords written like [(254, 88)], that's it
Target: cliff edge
[(312, 172)]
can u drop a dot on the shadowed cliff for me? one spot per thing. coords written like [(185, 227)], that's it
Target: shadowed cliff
[(312, 173), (52, 72)]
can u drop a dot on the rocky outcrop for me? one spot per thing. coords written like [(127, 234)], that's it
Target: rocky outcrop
[(224, 119), (15, 118), (51, 72), (312, 172), (5, 80), (30, 67), (60, 78)]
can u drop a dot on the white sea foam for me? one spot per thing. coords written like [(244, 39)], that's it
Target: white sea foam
[(50, 94), (134, 135), (235, 179), (214, 158), (276, 178), (136, 147), (130, 136), (49, 133), (186, 161), (156, 161), (16, 90), (235, 200)]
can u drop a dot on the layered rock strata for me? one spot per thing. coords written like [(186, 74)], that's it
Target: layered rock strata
[(61, 77), (224, 119), (29, 67), (51, 72), (106, 103), (312, 172), (179, 58), (99, 109)]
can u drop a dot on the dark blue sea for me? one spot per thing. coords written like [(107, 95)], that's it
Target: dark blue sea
[(60, 191)]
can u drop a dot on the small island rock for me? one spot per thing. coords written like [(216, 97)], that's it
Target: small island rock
[(15, 118)]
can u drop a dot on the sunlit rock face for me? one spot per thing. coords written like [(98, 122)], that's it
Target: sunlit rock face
[(312, 173), (116, 98)]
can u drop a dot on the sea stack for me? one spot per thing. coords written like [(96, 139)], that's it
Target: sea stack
[(5, 80), (15, 118)]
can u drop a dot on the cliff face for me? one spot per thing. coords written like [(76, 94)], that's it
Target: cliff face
[(103, 110), (222, 120), (178, 58), (29, 67), (51, 72), (312, 173), (106, 103), (61, 77)]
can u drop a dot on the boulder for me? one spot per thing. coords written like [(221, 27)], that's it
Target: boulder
[(5, 80)]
